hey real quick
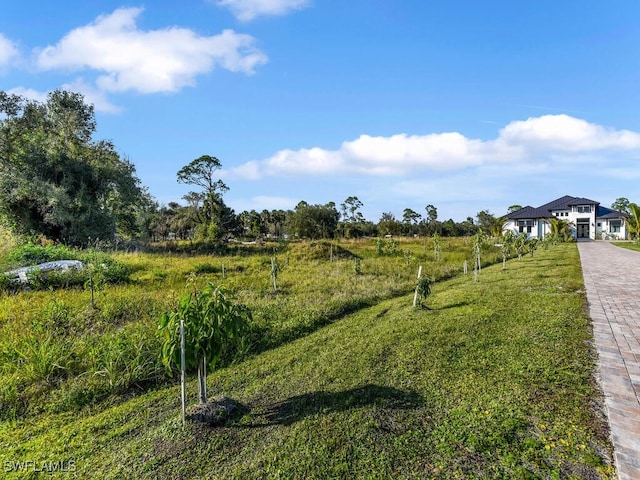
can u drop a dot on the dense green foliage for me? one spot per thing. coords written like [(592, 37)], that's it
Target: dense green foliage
[(212, 324), (477, 387), (206, 217), (55, 180), (423, 289), (314, 221)]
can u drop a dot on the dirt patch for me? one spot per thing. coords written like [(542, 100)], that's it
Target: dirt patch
[(213, 413)]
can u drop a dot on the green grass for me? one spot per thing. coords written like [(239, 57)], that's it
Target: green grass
[(628, 245), (58, 353), (494, 381)]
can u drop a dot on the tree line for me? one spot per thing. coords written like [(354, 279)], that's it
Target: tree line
[(58, 183)]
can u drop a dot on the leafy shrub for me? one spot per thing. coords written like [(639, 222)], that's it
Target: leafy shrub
[(213, 323), (29, 254), (423, 289), (5, 282), (390, 247)]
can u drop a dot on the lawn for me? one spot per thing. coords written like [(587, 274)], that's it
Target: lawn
[(493, 380), (628, 245)]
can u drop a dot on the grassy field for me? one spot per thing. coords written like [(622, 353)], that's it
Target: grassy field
[(342, 378)]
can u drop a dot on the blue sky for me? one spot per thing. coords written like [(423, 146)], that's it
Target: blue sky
[(465, 105)]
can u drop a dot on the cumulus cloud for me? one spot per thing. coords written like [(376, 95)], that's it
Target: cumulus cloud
[(148, 61), (247, 10), (567, 134), (8, 51), (93, 96), (29, 93), (90, 93), (549, 139), (274, 203)]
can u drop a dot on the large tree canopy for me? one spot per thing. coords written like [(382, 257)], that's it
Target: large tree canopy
[(314, 221), (216, 218), (55, 180)]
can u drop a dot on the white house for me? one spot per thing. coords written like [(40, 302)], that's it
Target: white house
[(587, 219)]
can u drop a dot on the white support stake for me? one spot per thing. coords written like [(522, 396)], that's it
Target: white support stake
[(273, 273), (415, 294), (183, 380)]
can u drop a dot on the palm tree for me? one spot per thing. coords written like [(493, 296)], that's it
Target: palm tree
[(633, 221), (497, 226), (560, 229), (508, 239)]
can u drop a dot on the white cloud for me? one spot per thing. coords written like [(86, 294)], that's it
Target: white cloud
[(274, 203), (557, 140), (246, 171), (8, 51), (247, 10), (92, 95), (567, 134), (148, 61), (29, 93)]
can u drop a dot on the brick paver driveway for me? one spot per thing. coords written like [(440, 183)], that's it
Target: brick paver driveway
[(612, 281)]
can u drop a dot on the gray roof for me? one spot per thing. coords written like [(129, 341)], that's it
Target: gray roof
[(528, 212), (604, 212), (562, 203)]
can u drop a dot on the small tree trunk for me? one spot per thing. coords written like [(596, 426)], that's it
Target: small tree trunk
[(273, 274), (415, 294), (183, 374), (202, 380)]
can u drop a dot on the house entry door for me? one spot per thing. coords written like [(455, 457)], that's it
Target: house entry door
[(583, 230)]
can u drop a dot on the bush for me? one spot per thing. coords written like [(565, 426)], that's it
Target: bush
[(29, 254)]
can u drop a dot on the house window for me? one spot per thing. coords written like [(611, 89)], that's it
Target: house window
[(614, 226), (557, 214), (525, 226), (599, 224), (583, 209)]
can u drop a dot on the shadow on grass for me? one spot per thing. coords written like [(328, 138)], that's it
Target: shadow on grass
[(297, 408), (452, 305)]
